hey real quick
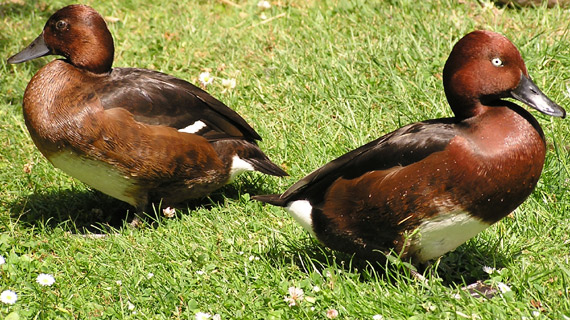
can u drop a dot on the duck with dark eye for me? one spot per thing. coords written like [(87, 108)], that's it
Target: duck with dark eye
[(137, 135), (428, 187)]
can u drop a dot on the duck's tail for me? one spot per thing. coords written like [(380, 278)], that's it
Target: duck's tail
[(274, 199), (243, 155)]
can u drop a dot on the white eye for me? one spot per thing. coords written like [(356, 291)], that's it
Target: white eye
[(497, 62)]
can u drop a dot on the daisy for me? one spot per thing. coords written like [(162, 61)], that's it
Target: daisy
[(332, 313), (489, 270), (205, 78), (295, 296), (203, 316), (8, 297), (503, 287), (168, 211), (229, 84), (45, 279), (378, 317), (2, 260), (264, 5)]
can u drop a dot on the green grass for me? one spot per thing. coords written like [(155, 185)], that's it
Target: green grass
[(320, 79)]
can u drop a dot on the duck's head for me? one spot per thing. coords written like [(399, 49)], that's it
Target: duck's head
[(483, 68), (78, 33)]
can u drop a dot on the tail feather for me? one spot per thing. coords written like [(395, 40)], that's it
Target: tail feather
[(264, 165), (274, 199), (249, 152)]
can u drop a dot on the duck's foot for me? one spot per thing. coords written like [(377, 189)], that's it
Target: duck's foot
[(94, 235), (418, 276), (137, 222), (480, 290)]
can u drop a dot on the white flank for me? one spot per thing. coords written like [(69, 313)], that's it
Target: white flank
[(239, 166), (444, 233), (193, 128), (96, 174), (301, 211)]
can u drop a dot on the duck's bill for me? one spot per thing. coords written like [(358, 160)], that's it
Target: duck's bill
[(528, 93), (36, 49)]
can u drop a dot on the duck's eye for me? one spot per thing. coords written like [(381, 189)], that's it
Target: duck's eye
[(497, 62), (61, 25)]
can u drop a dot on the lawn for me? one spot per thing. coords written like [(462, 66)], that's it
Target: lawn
[(315, 79)]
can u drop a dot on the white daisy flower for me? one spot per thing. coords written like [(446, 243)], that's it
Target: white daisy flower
[(503, 287), (205, 78), (229, 84), (202, 316), (296, 295), (264, 5), (168, 212), (489, 270), (8, 297), (45, 279)]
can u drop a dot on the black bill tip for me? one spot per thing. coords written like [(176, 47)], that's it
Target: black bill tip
[(528, 92)]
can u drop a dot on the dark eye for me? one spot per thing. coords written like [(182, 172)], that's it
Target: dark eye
[(61, 25)]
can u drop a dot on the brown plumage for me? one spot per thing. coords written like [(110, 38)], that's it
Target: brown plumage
[(135, 134), (426, 188)]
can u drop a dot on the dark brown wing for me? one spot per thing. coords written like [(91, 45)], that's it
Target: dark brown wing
[(159, 99), (402, 147)]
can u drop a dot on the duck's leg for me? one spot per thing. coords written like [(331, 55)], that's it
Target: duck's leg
[(137, 220), (478, 289), (141, 209), (418, 276)]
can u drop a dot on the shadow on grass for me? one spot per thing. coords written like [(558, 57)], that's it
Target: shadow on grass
[(85, 211), (461, 267), (76, 211)]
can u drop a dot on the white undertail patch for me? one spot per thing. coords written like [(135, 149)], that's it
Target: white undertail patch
[(301, 210), (445, 232), (193, 128), (239, 166)]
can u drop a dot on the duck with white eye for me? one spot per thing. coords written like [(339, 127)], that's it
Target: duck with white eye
[(460, 175)]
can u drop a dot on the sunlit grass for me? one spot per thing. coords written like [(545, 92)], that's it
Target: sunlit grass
[(315, 79)]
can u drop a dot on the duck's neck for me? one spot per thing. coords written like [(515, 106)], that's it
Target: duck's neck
[(464, 109), (98, 62), (95, 53)]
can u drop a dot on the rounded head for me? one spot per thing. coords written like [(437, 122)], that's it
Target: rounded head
[(78, 33), (483, 66)]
